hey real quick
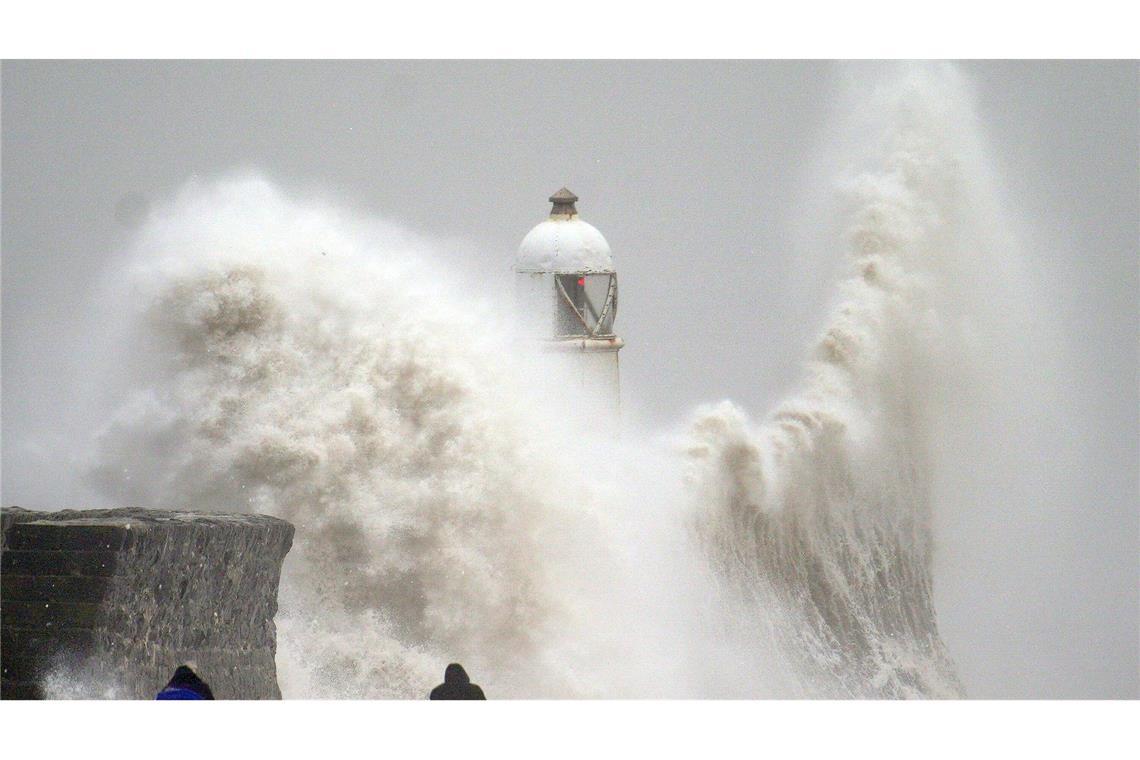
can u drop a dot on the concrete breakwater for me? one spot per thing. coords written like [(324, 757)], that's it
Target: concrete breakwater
[(106, 603)]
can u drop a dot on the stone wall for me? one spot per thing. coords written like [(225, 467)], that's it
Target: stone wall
[(106, 603)]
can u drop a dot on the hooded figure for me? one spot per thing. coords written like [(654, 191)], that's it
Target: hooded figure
[(456, 685), (185, 684)]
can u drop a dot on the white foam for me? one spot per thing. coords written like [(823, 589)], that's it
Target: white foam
[(315, 366)]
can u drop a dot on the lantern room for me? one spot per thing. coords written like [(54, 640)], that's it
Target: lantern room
[(567, 292)]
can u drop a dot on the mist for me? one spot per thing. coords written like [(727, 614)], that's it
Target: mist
[(716, 186)]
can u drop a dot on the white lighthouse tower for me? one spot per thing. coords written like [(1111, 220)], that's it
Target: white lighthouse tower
[(567, 293)]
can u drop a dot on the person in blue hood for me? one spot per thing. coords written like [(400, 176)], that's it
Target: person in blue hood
[(456, 685), (185, 684)]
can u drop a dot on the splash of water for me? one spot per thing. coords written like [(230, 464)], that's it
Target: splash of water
[(310, 365), (824, 511), (309, 369)]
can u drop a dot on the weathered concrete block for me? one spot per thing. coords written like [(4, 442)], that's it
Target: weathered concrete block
[(109, 602), (58, 562), (52, 588)]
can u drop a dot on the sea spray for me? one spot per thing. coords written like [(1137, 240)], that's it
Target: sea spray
[(292, 359), (309, 366), (825, 508)]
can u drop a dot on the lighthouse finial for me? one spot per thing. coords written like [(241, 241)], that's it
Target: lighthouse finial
[(563, 202)]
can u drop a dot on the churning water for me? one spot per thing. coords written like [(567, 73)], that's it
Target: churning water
[(290, 359)]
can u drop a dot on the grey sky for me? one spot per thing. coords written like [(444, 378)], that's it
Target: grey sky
[(695, 173)]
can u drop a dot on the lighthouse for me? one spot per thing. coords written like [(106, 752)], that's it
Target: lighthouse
[(567, 292)]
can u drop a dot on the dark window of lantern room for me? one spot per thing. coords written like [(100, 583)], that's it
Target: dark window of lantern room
[(598, 311), (568, 321)]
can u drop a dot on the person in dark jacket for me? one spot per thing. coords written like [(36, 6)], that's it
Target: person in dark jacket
[(185, 684), (456, 685)]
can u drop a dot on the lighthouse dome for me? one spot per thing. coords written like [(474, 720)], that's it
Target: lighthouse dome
[(564, 243)]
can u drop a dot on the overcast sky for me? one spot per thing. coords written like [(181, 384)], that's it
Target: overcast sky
[(695, 173)]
